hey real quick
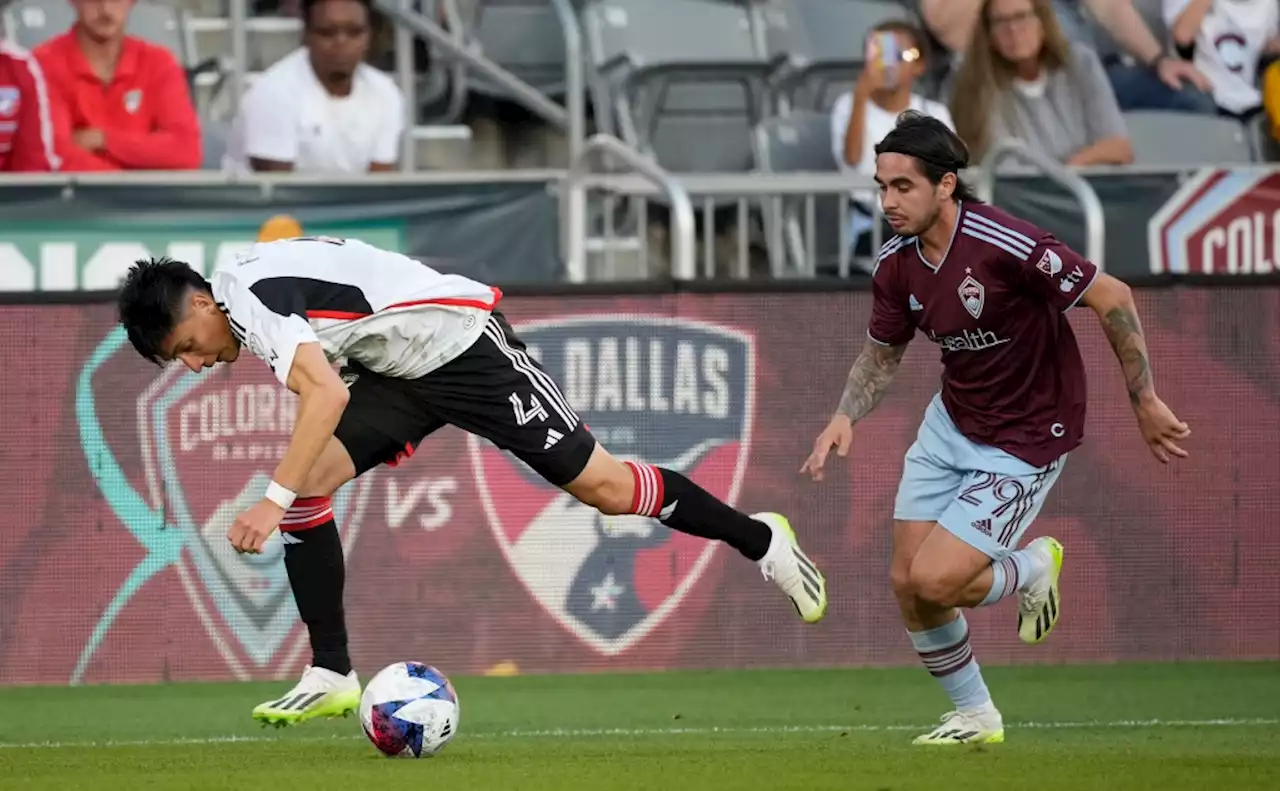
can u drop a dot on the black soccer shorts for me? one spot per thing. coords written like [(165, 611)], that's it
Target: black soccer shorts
[(494, 390)]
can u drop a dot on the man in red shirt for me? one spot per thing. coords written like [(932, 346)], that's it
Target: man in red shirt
[(26, 125), (120, 103)]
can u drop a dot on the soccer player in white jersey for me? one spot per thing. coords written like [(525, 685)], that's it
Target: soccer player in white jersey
[(422, 350), (991, 291)]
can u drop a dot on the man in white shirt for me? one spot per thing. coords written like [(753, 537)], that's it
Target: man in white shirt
[(861, 118), (321, 109), (1228, 40)]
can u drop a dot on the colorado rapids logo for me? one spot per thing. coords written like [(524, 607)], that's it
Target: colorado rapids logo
[(973, 296), (208, 444), (671, 392)]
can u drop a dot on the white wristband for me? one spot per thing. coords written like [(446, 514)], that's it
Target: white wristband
[(280, 495)]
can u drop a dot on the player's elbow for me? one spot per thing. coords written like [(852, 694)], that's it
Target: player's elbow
[(1108, 293), (336, 397), (327, 398)]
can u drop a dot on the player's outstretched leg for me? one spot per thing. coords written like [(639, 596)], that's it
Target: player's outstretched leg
[(615, 487), (314, 562)]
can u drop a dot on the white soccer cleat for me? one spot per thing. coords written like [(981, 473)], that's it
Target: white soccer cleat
[(320, 693), (984, 726), (1040, 604), (791, 569)]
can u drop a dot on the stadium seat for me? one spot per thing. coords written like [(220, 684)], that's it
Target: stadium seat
[(683, 78), (1162, 137), (524, 37), (817, 43), (799, 143)]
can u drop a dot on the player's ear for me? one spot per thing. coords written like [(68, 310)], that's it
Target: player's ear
[(202, 301), (947, 185)]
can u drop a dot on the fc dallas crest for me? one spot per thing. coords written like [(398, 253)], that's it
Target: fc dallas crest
[(671, 392)]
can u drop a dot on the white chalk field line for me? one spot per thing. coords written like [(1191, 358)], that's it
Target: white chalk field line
[(586, 733)]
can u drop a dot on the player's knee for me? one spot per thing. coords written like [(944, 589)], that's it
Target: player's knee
[(330, 472), (606, 484), (609, 495), (932, 585), (900, 579)]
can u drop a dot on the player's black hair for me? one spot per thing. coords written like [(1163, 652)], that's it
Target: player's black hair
[(308, 5), (152, 301), (931, 143)]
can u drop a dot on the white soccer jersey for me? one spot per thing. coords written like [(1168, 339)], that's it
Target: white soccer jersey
[(388, 312)]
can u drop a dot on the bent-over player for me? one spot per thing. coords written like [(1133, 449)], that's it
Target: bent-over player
[(991, 291), (423, 350)]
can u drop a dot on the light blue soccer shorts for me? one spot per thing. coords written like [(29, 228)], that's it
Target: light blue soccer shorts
[(980, 494)]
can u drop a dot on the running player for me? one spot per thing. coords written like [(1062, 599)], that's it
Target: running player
[(991, 291), (422, 349)]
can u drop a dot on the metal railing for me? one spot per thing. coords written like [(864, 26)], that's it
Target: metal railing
[(571, 118), (1094, 219), (800, 234), (573, 206)]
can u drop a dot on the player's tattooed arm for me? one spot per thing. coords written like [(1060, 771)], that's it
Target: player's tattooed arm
[(1125, 333), (869, 379), (1113, 302)]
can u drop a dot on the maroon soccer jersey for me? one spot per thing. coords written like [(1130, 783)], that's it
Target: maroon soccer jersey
[(1012, 374)]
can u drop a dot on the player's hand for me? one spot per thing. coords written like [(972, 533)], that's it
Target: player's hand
[(1161, 429), (253, 527), (839, 435)]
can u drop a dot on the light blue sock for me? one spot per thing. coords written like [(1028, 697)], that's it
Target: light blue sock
[(946, 654), (1010, 575)]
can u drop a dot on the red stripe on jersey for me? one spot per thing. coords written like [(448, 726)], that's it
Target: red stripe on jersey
[(456, 302), (340, 315)]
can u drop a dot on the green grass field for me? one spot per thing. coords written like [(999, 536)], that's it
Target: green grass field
[(1129, 727)]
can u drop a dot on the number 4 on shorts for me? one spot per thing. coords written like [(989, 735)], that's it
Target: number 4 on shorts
[(536, 410)]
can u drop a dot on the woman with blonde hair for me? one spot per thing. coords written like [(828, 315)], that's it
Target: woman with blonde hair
[(1022, 78)]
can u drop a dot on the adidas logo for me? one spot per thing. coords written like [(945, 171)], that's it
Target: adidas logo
[(983, 526), (554, 436), (915, 303)]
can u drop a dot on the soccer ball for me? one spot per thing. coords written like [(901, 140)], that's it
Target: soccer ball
[(409, 710)]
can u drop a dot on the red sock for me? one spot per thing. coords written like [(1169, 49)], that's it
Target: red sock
[(306, 513)]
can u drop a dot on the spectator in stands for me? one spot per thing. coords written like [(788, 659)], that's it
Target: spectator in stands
[(1227, 41), (26, 124), (321, 109), (1023, 79), (119, 103), (1144, 77), (862, 117)]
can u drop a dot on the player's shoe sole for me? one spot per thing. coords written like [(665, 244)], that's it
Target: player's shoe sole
[(297, 709), (1040, 608), (793, 572)]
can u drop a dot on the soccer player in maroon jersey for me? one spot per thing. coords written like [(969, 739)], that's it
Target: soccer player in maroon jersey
[(991, 291)]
